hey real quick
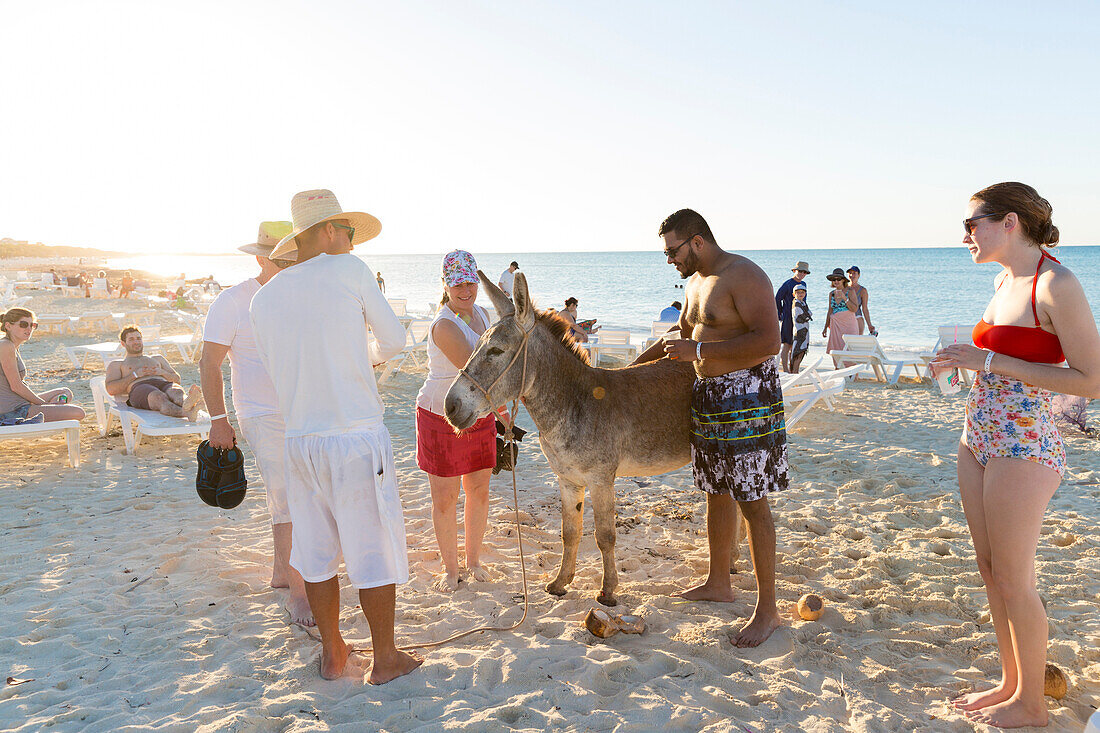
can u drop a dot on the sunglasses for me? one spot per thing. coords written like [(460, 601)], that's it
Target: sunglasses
[(672, 252), (968, 224), (26, 324), (351, 230)]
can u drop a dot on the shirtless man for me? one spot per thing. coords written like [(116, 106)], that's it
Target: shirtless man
[(738, 442), (149, 382)]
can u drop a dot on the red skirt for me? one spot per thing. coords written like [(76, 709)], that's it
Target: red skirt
[(442, 452)]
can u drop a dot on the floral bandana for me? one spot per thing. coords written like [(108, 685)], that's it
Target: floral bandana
[(459, 267)]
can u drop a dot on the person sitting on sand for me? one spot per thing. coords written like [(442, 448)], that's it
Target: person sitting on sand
[(578, 330), (149, 382), (732, 461), (18, 402), (311, 325), (127, 285), (452, 460)]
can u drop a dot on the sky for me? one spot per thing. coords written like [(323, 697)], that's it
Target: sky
[(521, 126)]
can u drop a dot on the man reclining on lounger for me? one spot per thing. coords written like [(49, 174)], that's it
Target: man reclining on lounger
[(149, 382)]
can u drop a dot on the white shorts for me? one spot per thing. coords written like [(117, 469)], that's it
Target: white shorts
[(265, 436), (344, 502)]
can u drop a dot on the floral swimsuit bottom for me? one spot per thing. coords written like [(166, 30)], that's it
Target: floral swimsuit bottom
[(1007, 418)]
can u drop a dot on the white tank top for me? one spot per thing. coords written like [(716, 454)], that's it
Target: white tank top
[(441, 372)]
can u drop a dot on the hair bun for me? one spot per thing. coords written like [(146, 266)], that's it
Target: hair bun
[(1049, 233)]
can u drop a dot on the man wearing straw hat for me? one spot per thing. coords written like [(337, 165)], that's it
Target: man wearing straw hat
[(311, 324), (228, 332)]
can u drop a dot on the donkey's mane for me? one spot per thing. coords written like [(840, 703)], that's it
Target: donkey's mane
[(559, 328)]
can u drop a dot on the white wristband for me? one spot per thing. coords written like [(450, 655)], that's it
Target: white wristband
[(698, 351), (218, 417), (988, 361)]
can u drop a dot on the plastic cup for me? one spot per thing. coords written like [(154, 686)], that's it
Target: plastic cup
[(949, 382)]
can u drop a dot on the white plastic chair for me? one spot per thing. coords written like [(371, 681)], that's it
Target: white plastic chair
[(867, 350), (611, 341), (136, 423), (69, 428), (398, 305)]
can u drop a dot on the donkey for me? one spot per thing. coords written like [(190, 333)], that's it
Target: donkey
[(594, 424)]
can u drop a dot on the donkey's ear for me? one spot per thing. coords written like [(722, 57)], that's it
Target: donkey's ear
[(500, 301), (525, 312)]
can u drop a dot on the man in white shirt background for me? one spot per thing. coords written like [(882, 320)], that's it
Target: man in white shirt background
[(310, 323), (507, 278), (228, 332)]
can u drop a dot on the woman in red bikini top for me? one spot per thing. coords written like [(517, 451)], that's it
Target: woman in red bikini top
[(1011, 456)]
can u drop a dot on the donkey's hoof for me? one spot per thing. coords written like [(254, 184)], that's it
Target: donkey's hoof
[(555, 590), (607, 599)]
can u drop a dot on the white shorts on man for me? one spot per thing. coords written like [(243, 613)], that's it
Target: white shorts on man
[(254, 401), (310, 323)]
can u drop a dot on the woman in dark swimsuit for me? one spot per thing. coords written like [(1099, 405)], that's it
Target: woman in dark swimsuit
[(1011, 456)]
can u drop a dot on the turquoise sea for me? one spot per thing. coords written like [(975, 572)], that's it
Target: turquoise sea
[(912, 291)]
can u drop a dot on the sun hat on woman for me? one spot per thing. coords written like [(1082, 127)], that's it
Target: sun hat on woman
[(271, 233), (310, 208), (836, 274), (459, 267)]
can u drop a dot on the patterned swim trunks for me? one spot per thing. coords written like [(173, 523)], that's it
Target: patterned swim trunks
[(738, 433)]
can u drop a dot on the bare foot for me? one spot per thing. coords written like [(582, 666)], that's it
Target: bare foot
[(1011, 714), (447, 583), (334, 664), (192, 403), (279, 579), (382, 671), (298, 608), (478, 572), (709, 591), (983, 698), (757, 630)]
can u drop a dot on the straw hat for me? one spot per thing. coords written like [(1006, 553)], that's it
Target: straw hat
[(310, 208), (270, 234)]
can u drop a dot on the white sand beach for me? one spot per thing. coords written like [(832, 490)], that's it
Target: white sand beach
[(129, 604)]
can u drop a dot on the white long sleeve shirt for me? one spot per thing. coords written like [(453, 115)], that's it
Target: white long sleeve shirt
[(310, 323)]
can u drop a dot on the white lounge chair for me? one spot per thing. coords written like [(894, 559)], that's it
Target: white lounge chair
[(956, 334), (414, 353), (142, 318), (99, 288), (657, 329), (57, 322), (96, 321), (867, 350), (804, 390), (610, 341), (70, 429), (10, 300), (136, 423), (398, 305)]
